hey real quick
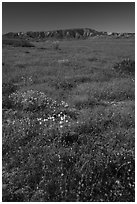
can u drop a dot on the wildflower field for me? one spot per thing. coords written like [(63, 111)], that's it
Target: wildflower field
[(68, 121)]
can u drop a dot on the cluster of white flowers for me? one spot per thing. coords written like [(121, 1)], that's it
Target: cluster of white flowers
[(52, 112)]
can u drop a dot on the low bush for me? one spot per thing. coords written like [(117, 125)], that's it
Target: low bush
[(7, 89), (126, 66)]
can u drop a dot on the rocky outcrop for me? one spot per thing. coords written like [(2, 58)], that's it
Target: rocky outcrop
[(80, 33)]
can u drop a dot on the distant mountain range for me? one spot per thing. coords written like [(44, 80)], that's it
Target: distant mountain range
[(80, 33)]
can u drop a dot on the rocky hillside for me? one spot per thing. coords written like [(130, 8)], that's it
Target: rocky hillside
[(80, 33)]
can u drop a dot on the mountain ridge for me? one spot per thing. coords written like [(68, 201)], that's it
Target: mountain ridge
[(73, 33)]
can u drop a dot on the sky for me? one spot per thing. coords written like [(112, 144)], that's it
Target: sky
[(45, 16)]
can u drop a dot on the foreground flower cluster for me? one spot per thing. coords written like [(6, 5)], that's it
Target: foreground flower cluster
[(50, 155), (33, 114), (46, 110)]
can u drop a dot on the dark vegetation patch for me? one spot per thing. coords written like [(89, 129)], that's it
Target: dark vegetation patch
[(21, 66), (27, 52), (16, 42), (7, 89), (127, 66), (42, 48), (94, 59)]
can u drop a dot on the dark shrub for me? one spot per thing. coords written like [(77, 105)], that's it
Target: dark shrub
[(94, 59), (126, 66), (17, 43), (7, 89)]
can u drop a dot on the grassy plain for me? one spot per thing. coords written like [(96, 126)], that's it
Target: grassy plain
[(90, 155)]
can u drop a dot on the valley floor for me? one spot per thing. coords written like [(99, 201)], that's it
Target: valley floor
[(69, 121)]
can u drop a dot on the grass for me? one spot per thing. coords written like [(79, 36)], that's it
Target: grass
[(114, 90), (69, 122)]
